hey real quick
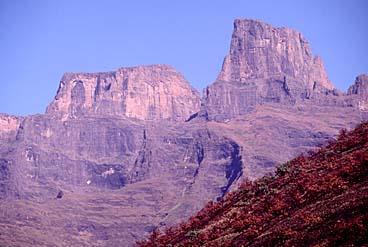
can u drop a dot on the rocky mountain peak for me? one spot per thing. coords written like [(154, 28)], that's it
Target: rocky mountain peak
[(359, 90), (360, 86), (143, 92), (265, 64), (259, 50), (105, 177)]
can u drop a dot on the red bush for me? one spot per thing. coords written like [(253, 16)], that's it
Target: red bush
[(319, 199)]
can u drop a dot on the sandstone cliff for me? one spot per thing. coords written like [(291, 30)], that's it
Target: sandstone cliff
[(8, 126), (143, 92), (112, 159), (265, 65), (360, 86), (359, 92), (259, 50), (312, 200)]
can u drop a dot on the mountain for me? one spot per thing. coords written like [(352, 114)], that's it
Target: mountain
[(119, 154), (144, 92), (318, 199), (259, 50), (274, 97), (268, 65), (77, 177)]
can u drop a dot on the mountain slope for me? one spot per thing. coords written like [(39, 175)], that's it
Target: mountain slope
[(119, 154), (319, 199)]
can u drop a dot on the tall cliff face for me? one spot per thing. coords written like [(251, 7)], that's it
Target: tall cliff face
[(8, 126), (265, 65), (143, 92), (259, 50), (313, 200), (106, 177), (359, 90), (360, 86)]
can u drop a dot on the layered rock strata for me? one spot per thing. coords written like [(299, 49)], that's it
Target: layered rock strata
[(265, 65), (144, 92), (113, 159)]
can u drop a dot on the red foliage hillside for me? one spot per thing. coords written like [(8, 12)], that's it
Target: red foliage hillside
[(319, 199)]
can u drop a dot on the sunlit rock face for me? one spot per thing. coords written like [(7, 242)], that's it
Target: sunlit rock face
[(360, 87), (359, 92), (119, 154), (8, 126), (265, 65), (143, 92), (259, 50)]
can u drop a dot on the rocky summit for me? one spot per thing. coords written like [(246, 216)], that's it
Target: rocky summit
[(259, 50), (268, 65), (119, 154), (144, 92)]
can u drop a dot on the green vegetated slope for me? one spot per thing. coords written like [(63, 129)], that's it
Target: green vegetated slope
[(317, 199)]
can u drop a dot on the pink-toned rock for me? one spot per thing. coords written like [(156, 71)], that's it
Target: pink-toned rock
[(259, 50), (8, 125), (103, 179), (359, 91), (360, 86), (144, 92), (266, 65)]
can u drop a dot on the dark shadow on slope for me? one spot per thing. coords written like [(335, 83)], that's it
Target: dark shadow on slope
[(234, 170)]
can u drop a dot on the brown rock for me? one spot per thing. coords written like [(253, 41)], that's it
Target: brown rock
[(144, 92)]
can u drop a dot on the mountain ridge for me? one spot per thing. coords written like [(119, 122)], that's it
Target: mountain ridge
[(158, 90), (119, 154)]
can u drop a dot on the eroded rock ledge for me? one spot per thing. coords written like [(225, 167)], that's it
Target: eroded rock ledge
[(144, 92)]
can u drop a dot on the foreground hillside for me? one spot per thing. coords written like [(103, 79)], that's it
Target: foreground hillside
[(121, 153), (319, 199)]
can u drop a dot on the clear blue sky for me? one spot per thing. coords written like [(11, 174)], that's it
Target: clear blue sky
[(40, 40)]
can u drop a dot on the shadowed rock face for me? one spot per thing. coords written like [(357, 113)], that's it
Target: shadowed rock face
[(113, 159), (114, 180), (143, 92), (359, 90), (360, 86), (313, 199)]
